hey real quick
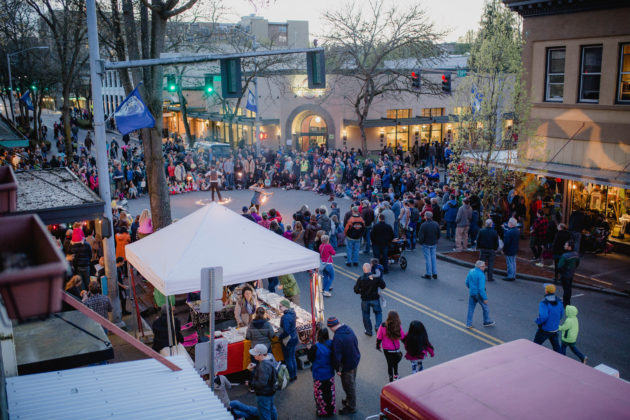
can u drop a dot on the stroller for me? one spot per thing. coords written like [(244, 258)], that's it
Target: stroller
[(395, 253)]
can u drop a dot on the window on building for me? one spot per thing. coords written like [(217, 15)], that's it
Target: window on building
[(554, 89), (398, 113), (432, 112), (624, 74), (590, 73)]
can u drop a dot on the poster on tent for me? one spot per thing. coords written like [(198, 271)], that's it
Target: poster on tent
[(220, 355)]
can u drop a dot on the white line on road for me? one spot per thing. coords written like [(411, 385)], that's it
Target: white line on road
[(578, 295)]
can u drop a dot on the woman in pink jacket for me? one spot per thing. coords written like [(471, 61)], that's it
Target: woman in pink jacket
[(145, 224), (326, 252), (389, 335)]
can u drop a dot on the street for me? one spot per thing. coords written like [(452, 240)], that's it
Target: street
[(440, 304)]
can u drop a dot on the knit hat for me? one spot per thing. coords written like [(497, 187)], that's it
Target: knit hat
[(285, 303), (550, 289), (77, 235), (332, 321)]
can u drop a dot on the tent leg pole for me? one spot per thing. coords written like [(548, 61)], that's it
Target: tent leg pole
[(169, 313), (211, 332), (132, 287)]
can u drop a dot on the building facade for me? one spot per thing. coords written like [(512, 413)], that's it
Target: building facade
[(577, 61)]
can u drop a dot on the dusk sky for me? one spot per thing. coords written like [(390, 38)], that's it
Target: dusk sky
[(456, 15)]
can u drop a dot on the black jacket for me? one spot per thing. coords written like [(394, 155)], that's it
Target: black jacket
[(382, 234), (264, 378), (429, 233), (558, 242), (488, 238), (160, 332), (368, 289), (82, 254)]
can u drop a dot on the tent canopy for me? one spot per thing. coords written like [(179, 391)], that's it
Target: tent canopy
[(172, 258)]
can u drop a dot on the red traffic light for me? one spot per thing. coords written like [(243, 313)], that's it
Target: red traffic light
[(444, 78), (413, 74)]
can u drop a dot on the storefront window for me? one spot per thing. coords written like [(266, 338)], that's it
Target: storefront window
[(398, 113), (432, 112), (436, 132), (397, 135)]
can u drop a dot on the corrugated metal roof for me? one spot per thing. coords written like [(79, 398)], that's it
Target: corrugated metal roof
[(142, 389)]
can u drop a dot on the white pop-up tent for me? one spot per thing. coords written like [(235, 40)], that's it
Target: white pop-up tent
[(172, 258)]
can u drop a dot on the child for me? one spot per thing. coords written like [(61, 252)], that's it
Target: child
[(417, 345), (377, 268), (389, 335), (570, 329)]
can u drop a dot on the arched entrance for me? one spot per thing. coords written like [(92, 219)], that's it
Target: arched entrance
[(310, 125)]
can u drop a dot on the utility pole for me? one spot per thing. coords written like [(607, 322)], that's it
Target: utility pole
[(257, 120), (96, 69)]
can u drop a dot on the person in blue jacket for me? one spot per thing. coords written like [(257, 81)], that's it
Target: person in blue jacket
[(287, 322), (321, 357), (476, 283), (510, 248), (450, 214), (550, 312), (346, 357)]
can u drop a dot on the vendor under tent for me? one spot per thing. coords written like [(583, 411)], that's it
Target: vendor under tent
[(172, 258)]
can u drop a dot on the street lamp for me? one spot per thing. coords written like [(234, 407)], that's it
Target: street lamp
[(9, 55)]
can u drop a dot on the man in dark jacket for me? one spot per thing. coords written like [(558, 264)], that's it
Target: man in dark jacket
[(367, 214), (264, 382), (367, 286), (567, 265), (510, 248), (346, 357), (160, 331), (311, 232), (550, 312), (81, 255), (323, 220), (290, 336), (428, 237), (488, 243), (562, 236), (382, 235)]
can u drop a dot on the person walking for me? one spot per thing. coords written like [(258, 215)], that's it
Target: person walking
[(550, 312), (428, 237), (510, 248), (417, 345), (462, 221), (538, 233), (326, 252), (388, 337), (367, 214), (557, 247), (321, 357), (346, 358), (354, 230), (289, 338), (476, 283), (569, 330), (569, 262), (264, 377), (382, 236), (488, 243), (367, 286)]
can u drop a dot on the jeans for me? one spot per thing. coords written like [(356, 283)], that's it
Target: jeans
[(429, 259), (450, 230), (411, 237), (328, 272), (352, 250), (333, 240), (229, 180), (542, 336), (273, 282), (574, 349), (380, 252), (416, 366), (510, 261), (266, 408), (472, 303), (84, 272), (349, 384), (461, 237), (488, 255), (366, 239), (378, 314), (241, 410), (289, 357)]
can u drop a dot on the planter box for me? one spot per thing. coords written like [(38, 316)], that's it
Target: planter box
[(36, 289), (8, 190)]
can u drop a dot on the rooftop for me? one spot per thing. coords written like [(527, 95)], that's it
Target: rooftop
[(531, 8)]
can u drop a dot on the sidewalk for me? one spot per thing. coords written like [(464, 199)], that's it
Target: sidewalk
[(603, 272)]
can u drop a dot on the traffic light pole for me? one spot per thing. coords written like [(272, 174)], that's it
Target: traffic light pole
[(101, 161), (257, 120)]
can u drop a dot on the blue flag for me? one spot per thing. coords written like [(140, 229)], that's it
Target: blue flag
[(478, 97), (251, 102), (26, 98), (132, 114)]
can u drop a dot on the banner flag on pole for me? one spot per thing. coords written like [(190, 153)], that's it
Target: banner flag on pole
[(132, 114), (26, 98), (478, 97), (251, 102)]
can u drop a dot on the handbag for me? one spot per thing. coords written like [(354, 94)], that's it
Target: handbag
[(382, 301)]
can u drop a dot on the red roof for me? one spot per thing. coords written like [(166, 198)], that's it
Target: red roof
[(516, 380)]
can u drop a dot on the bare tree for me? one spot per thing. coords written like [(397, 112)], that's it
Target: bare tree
[(65, 30), (362, 36)]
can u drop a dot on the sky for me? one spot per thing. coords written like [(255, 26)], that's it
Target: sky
[(457, 16)]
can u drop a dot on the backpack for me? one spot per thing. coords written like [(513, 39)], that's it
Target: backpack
[(281, 376), (415, 215)]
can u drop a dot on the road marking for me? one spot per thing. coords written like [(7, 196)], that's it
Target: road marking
[(574, 296), (594, 279), (605, 273), (443, 318)]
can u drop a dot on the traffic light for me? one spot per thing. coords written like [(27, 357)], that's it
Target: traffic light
[(446, 83), (231, 86), (171, 84), (208, 86), (316, 69), (415, 79), (33, 87)]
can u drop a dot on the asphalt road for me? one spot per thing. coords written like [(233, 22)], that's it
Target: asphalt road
[(440, 304)]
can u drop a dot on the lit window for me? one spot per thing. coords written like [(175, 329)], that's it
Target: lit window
[(590, 73), (554, 90), (624, 74)]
